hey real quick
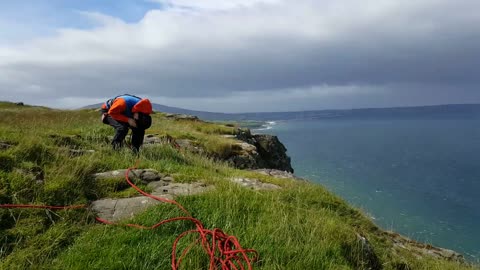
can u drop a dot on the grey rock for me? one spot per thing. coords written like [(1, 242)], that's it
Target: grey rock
[(4, 146), (244, 134), (264, 151), (254, 184), (245, 156), (273, 153), (177, 189), (243, 161), (110, 174), (152, 140), (249, 148), (151, 175), (279, 174), (168, 179), (157, 185), (118, 209), (142, 175)]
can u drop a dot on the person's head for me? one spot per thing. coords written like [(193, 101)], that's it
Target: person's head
[(143, 121)]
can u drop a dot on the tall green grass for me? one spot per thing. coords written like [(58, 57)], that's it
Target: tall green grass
[(301, 226)]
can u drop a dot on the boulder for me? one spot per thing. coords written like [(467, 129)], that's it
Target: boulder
[(177, 189), (151, 139), (245, 156), (143, 175), (244, 134), (272, 152), (118, 209), (259, 151), (243, 161), (168, 179)]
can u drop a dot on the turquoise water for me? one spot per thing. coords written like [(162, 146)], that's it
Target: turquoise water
[(419, 177)]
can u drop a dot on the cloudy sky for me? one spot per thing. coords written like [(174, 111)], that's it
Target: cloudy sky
[(241, 55)]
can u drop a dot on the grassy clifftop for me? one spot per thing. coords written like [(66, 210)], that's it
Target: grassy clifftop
[(300, 226)]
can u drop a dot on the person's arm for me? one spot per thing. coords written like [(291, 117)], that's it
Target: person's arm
[(117, 109)]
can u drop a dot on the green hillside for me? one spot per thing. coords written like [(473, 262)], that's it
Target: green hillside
[(299, 226)]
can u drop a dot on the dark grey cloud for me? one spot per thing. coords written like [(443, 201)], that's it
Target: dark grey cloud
[(308, 54)]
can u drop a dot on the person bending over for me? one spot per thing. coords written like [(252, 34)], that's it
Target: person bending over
[(127, 112)]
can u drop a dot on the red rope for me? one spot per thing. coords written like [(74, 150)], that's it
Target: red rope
[(223, 250)]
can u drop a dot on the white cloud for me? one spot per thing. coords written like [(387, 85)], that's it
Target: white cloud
[(234, 50), (213, 4)]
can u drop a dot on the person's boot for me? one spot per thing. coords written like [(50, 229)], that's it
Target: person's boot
[(117, 145)]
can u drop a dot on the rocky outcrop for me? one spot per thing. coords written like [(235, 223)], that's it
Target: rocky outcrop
[(163, 186), (279, 174), (118, 209), (260, 151), (254, 184), (249, 152), (143, 175), (421, 249), (244, 156), (273, 153)]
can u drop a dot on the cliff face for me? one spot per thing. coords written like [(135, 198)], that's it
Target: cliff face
[(260, 151), (250, 151)]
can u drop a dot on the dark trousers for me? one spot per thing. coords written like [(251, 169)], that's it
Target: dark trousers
[(121, 131)]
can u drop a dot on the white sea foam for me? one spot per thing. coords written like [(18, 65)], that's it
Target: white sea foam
[(268, 125)]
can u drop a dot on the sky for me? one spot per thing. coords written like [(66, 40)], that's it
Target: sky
[(241, 55)]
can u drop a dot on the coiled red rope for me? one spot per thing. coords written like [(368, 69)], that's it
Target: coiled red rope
[(224, 251)]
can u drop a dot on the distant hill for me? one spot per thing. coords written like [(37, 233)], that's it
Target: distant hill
[(466, 110)]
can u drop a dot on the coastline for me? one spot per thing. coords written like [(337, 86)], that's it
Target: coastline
[(414, 240)]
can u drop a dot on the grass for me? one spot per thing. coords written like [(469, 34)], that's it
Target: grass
[(301, 226)]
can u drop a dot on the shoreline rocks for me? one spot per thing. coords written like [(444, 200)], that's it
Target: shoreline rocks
[(260, 151)]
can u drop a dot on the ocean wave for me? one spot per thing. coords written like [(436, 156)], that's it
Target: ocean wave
[(268, 125)]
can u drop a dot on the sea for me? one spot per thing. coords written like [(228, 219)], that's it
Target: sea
[(419, 177)]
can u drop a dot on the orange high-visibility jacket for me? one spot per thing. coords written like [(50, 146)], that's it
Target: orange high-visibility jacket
[(122, 107)]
